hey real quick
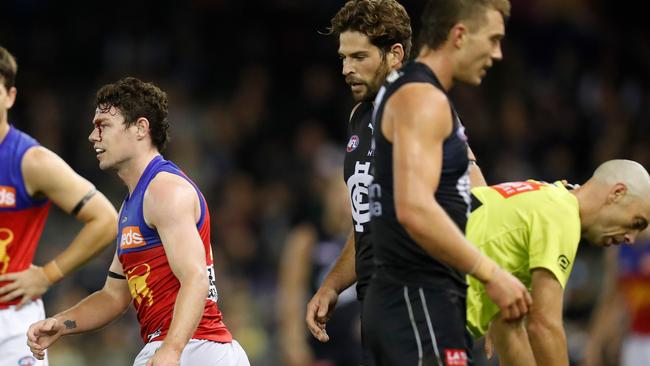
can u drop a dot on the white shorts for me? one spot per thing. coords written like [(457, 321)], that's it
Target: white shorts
[(636, 350), (13, 334), (200, 352)]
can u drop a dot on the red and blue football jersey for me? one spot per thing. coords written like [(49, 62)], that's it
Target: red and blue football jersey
[(22, 218), (151, 281)]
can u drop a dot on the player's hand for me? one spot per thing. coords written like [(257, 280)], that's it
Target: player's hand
[(165, 356), (30, 284), (42, 334), (319, 310), (509, 294)]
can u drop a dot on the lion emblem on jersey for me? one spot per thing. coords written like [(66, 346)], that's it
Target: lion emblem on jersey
[(6, 237), (137, 278)]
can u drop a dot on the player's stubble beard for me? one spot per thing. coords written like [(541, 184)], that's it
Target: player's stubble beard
[(372, 87)]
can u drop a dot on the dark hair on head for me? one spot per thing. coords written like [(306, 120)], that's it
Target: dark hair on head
[(440, 16), (8, 68), (137, 99), (384, 22)]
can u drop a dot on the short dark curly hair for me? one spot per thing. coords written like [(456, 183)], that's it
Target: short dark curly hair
[(384, 22), (8, 68), (136, 99)]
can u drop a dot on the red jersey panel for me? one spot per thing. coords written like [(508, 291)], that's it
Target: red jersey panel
[(22, 218), (151, 281)]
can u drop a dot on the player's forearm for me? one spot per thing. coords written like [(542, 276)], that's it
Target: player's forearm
[(511, 343), (96, 234), (91, 313), (188, 310), (548, 342), (343, 274), (430, 226)]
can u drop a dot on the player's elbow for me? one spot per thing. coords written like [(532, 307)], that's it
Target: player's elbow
[(107, 225), (410, 213), (406, 212), (195, 277)]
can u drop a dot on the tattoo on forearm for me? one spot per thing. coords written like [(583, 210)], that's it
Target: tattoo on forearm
[(70, 324)]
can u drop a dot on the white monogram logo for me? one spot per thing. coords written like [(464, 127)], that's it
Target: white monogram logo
[(358, 185)]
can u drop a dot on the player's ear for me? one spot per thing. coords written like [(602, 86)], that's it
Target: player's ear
[(458, 35), (395, 55), (616, 193), (142, 125)]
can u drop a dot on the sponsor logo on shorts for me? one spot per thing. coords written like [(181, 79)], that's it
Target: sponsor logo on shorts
[(455, 357), (27, 361), (7, 197), (131, 238)]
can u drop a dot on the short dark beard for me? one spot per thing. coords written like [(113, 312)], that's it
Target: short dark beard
[(377, 81)]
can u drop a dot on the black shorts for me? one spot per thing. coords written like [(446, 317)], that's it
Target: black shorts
[(415, 326), (366, 355)]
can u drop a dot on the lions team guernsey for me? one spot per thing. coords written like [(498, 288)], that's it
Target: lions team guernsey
[(357, 174), (22, 218), (150, 279), (634, 282), (397, 256)]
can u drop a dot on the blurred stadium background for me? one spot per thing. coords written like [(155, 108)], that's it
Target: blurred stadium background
[(258, 110)]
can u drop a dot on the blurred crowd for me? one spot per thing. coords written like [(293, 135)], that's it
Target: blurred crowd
[(258, 111)]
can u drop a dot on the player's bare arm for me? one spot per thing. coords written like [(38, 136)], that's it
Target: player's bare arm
[(91, 313), (47, 175), (417, 119), (339, 278), (294, 273), (545, 329), (171, 206), (510, 339)]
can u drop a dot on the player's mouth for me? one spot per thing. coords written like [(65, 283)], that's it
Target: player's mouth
[(614, 241), (357, 87), (99, 152)]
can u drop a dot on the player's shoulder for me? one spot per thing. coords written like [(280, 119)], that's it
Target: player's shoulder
[(40, 159), (168, 186)]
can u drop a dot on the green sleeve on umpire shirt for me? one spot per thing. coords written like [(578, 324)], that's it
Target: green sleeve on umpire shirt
[(554, 237)]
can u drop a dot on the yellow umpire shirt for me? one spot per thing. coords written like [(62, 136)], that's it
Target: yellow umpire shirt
[(521, 226)]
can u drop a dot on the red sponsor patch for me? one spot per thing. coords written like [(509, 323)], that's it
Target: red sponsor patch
[(131, 238), (455, 357), (7, 196), (514, 188)]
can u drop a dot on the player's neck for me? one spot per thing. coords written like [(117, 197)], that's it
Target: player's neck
[(588, 205), (440, 63), (4, 129), (132, 171)]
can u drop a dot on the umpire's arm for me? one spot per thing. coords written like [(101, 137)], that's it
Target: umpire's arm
[(545, 329)]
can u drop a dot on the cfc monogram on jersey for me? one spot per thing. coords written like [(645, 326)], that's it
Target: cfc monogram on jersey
[(358, 185), (358, 178)]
